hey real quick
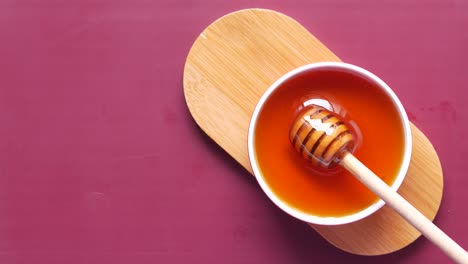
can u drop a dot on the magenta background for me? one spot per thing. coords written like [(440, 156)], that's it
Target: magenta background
[(101, 162)]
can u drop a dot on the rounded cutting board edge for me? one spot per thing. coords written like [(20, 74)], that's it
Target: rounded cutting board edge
[(230, 66)]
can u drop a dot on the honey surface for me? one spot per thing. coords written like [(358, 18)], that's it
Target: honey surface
[(335, 193)]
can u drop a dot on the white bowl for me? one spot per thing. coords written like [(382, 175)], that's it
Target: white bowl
[(341, 67)]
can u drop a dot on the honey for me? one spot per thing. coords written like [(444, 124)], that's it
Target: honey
[(373, 118)]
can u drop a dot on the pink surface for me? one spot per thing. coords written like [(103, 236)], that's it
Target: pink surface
[(101, 162)]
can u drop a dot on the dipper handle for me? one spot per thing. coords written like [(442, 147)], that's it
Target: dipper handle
[(323, 139), (404, 208)]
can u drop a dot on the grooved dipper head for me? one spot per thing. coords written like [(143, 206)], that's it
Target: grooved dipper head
[(321, 137)]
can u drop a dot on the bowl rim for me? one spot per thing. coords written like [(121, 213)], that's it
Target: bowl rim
[(362, 73)]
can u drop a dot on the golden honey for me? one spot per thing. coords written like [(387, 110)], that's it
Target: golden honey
[(364, 106)]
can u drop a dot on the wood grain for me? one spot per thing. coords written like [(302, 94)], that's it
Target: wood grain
[(229, 67)]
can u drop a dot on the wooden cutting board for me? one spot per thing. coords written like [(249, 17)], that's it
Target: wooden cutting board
[(235, 60)]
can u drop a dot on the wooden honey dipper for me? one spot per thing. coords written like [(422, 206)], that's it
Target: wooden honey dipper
[(323, 139)]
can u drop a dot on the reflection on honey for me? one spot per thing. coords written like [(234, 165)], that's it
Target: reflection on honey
[(370, 114)]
